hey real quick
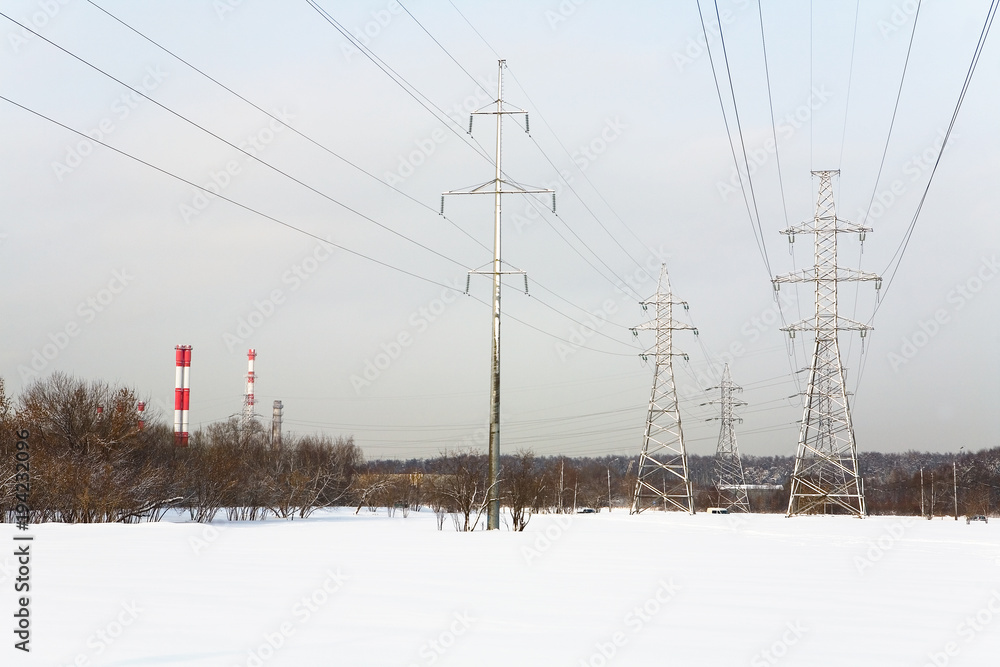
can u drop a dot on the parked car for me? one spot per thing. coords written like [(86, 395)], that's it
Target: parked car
[(586, 510), (977, 517)]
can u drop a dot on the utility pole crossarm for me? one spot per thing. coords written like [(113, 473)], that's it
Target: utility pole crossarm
[(843, 324), (511, 189), (809, 227), (839, 274)]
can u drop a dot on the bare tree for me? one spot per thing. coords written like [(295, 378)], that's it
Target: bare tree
[(461, 485), (523, 487)]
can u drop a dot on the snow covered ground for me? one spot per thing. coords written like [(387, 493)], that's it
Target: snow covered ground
[(603, 589)]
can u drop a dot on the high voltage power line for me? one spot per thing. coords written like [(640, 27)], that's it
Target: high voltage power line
[(277, 170), (568, 185)]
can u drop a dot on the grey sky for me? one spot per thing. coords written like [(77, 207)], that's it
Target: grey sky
[(133, 262)]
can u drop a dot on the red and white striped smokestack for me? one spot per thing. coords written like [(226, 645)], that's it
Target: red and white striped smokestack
[(187, 395), (182, 393), (178, 392), (140, 411), (249, 400)]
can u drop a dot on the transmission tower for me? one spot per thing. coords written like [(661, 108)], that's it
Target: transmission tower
[(497, 187), (826, 478), (663, 478), (730, 482)]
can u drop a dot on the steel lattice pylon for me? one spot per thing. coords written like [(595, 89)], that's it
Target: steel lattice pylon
[(730, 483), (826, 477), (663, 478)]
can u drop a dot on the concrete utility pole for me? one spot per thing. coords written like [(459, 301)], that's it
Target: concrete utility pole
[(826, 473), (663, 478), (609, 489), (954, 473), (921, 492), (496, 187)]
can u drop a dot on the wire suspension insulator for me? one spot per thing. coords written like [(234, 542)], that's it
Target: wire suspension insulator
[(553, 202), (470, 123), (442, 205), (527, 127), (468, 277)]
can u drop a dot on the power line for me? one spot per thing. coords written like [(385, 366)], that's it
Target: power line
[(850, 78), (555, 136), (898, 255), (249, 154), (474, 29), (289, 225), (410, 89), (895, 108), (759, 239), (770, 105), (400, 81), (283, 122), (544, 213), (224, 198), (570, 187), (547, 158), (441, 46)]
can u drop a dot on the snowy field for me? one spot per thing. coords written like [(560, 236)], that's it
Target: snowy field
[(658, 589)]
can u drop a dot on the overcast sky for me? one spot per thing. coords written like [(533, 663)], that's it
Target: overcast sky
[(109, 263)]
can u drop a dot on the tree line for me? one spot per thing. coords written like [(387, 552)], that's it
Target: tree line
[(100, 466)]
